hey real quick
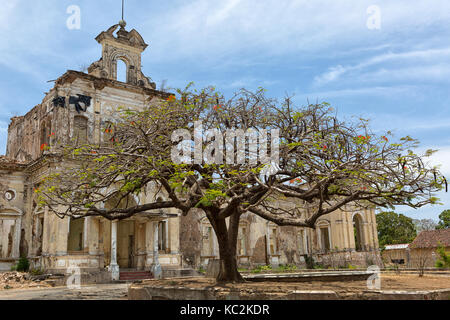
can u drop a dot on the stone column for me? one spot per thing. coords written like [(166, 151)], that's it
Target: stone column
[(351, 233), (149, 244), (86, 234), (156, 267), (114, 267), (45, 232), (16, 242)]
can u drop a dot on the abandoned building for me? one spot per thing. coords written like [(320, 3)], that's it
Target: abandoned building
[(78, 107), (421, 253)]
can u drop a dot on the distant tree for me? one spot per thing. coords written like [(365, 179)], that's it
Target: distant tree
[(444, 220), (424, 224), (395, 228), (421, 261)]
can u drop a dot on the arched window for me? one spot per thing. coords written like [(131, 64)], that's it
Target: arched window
[(122, 71), (324, 235), (358, 232), (80, 125), (162, 236)]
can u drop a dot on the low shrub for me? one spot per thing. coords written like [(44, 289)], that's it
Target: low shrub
[(444, 260), (23, 265)]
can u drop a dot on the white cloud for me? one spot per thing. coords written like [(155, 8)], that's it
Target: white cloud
[(269, 27), (372, 91), (418, 58), (223, 13)]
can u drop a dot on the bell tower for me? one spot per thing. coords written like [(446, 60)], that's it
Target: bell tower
[(121, 45)]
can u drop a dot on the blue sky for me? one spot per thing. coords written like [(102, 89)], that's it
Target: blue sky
[(397, 76)]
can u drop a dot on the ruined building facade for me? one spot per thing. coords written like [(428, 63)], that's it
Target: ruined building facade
[(79, 107)]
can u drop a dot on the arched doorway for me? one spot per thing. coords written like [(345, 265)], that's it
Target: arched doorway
[(358, 232), (324, 235)]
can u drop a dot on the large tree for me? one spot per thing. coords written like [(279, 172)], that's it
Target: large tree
[(444, 220), (395, 228), (319, 162)]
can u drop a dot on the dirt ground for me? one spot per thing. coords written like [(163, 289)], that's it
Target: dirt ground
[(388, 282), (88, 292), (18, 280)]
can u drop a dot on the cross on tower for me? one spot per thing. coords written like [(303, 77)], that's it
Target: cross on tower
[(123, 5), (122, 22)]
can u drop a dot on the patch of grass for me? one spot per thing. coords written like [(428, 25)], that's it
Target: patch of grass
[(287, 268), (202, 270), (260, 269)]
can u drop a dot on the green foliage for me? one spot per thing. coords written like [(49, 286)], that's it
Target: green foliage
[(36, 272), (444, 260), (201, 270), (23, 265), (210, 196), (287, 268), (444, 220), (395, 228), (260, 269)]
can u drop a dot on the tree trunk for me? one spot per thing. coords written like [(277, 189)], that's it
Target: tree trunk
[(227, 240)]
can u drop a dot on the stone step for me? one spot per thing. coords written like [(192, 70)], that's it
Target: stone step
[(135, 275)]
